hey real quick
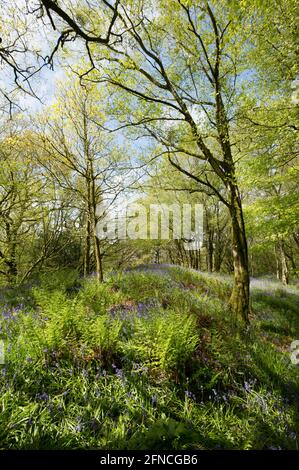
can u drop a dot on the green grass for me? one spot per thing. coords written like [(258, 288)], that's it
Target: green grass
[(147, 361)]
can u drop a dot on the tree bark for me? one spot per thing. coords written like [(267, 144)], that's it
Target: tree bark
[(11, 261), (277, 259), (240, 297), (98, 258), (284, 264), (96, 242), (87, 248), (210, 250)]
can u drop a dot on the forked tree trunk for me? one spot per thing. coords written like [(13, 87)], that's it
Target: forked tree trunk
[(240, 297)]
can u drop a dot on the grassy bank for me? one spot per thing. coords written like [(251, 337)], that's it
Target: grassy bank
[(147, 361)]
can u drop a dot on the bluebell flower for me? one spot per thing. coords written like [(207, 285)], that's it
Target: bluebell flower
[(43, 396), (94, 424), (154, 400), (119, 373), (247, 386), (190, 395)]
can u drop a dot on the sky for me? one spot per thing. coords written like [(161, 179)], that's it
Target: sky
[(37, 38)]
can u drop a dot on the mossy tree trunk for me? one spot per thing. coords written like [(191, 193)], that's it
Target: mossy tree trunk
[(240, 297)]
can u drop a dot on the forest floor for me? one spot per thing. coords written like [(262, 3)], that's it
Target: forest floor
[(151, 359)]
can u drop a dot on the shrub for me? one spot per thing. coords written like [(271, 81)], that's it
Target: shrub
[(63, 280), (165, 340), (98, 297)]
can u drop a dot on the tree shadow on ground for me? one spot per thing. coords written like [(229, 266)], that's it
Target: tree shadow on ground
[(284, 308)]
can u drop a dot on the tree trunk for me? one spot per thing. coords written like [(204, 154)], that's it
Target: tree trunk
[(98, 258), (210, 250), (12, 269), (219, 251), (92, 200), (196, 264), (278, 276), (180, 252), (11, 261), (87, 248), (240, 297), (284, 264), (97, 244)]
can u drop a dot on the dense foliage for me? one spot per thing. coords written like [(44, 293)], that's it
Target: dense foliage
[(121, 341), (150, 360)]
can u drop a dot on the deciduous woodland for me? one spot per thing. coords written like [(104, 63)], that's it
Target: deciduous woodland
[(140, 342)]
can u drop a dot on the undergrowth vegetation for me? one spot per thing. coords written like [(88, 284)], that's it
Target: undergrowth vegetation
[(147, 361)]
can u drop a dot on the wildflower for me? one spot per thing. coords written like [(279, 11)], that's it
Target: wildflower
[(94, 424), (43, 396), (154, 401), (190, 395), (119, 373), (78, 428), (247, 386)]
